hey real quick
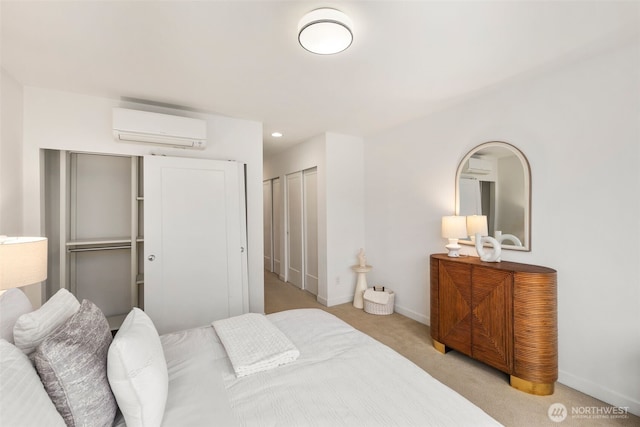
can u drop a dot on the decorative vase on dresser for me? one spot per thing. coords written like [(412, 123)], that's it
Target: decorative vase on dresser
[(502, 314)]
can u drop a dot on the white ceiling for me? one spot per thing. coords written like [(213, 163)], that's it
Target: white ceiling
[(242, 58)]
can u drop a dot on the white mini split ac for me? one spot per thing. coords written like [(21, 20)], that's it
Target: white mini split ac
[(161, 129), (478, 167)]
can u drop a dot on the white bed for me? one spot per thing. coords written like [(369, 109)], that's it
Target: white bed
[(342, 377)]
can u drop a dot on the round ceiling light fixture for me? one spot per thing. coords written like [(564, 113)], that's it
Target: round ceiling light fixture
[(325, 31)]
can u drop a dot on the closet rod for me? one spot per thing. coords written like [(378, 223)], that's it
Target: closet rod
[(99, 248)]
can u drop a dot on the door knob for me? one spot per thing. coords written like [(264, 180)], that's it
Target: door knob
[(151, 257)]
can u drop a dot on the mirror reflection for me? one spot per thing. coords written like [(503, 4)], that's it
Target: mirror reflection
[(494, 180)]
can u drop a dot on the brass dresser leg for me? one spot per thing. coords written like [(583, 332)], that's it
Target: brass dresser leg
[(540, 389), (439, 346)]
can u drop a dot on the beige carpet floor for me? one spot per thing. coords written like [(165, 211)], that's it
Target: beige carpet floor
[(488, 388)]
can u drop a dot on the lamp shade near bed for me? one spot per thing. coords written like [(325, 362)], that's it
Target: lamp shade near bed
[(23, 261)]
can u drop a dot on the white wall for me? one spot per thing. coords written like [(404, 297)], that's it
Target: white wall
[(10, 156), (344, 215), (60, 120), (579, 127), (11, 197), (340, 163)]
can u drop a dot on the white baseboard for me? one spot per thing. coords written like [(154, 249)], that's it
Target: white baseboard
[(338, 300), (599, 392), (400, 310), (418, 317)]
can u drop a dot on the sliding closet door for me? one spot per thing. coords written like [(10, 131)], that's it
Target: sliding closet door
[(295, 231), (302, 230), (267, 226), (277, 225), (311, 230), (194, 247)]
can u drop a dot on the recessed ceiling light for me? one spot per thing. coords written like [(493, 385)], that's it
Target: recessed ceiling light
[(276, 134), (325, 31)]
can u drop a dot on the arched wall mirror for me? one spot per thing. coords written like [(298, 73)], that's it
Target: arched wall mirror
[(494, 180)]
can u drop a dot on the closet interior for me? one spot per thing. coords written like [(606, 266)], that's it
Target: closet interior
[(93, 219)]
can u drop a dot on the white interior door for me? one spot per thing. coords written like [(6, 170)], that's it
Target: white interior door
[(295, 244), (194, 246), (267, 228), (311, 230), (277, 225)]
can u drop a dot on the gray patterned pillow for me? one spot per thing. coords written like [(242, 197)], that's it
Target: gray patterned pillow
[(72, 364)]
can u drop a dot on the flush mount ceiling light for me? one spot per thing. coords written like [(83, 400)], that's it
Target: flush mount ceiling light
[(325, 31)]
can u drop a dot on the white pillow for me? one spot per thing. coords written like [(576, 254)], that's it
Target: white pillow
[(13, 304), (23, 399), (137, 371), (32, 328)]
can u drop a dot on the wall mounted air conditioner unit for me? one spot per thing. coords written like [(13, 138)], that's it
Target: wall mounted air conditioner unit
[(156, 128), (478, 167)]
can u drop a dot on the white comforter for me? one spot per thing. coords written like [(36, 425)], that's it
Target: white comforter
[(341, 378)]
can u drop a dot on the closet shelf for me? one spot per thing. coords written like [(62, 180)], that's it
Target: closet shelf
[(100, 241)]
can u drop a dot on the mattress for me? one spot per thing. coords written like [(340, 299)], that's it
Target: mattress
[(341, 378)]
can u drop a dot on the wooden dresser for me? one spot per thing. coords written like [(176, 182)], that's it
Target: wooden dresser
[(503, 314)]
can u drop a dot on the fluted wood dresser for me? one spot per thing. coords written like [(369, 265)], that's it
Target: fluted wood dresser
[(503, 314)]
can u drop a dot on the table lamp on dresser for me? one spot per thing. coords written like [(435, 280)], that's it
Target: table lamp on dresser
[(454, 227)]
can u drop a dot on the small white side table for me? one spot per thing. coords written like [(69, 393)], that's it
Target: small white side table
[(361, 284)]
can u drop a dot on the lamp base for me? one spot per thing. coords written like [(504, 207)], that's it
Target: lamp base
[(454, 248)]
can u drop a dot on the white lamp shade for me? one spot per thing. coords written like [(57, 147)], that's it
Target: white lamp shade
[(477, 224), (23, 261), (325, 31), (454, 227)]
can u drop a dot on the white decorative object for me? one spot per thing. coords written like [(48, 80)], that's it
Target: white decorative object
[(361, 284), (453, 228), (362, 259), (502, 237), (493, 256)]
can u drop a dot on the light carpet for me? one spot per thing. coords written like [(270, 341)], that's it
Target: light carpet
[(486, 387)]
